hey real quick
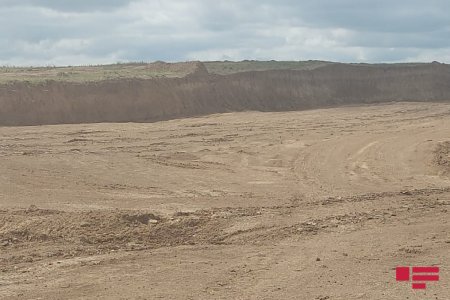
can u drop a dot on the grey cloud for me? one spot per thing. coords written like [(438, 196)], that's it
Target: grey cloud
[(71, 32), (438, 39), (379, 16), (68, 5)]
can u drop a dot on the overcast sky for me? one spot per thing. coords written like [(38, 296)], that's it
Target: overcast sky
[(73, 32)]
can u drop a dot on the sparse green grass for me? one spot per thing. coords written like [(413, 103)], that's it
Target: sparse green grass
[(81, 74), (230, 67), (94, 73), (142, 70)]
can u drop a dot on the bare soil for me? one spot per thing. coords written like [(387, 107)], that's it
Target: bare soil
[(317, 204)]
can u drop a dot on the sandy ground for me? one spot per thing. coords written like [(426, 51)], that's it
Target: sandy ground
[(319, 204)]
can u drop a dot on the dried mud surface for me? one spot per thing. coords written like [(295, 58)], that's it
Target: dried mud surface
[(318, 204)]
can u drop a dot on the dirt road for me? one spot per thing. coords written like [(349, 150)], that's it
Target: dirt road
[(319, 204)]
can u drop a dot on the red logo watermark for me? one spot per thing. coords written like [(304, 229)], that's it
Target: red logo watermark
[(418, 276)]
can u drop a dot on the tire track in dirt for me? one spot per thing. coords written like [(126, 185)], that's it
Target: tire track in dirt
[(87, 233), (373, 162)]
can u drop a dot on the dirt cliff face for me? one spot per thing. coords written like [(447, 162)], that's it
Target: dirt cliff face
[(200, 93)]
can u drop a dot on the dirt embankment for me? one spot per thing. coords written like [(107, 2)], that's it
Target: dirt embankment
[(200, 93)]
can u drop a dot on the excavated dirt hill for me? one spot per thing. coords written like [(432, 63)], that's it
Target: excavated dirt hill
[(200, 93)]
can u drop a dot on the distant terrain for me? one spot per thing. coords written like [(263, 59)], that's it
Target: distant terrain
[(143, 70), (159, 69), (35, 75)]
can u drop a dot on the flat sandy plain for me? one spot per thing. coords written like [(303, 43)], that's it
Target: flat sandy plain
[(319, 204)]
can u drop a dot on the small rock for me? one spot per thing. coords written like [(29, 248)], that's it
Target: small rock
[(361, 296), (153, 221), (318, 259), (32, 208), (28, 259)]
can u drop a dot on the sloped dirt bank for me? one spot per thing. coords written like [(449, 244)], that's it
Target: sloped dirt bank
[(138, 100)]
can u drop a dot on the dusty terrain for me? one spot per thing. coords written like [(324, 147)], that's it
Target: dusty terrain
[(317, 204)]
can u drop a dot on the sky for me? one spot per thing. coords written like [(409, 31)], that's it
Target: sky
[(82, 32)]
